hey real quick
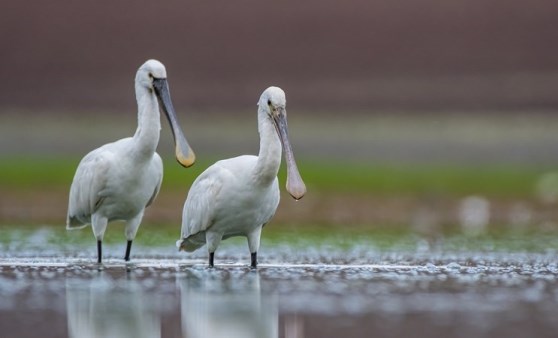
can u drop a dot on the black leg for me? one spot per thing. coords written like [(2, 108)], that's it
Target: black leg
[(211, 256), (128, 248), (254, 263), (99, 251)]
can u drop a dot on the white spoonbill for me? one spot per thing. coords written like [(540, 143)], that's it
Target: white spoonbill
[(238, 196), (117, 181)]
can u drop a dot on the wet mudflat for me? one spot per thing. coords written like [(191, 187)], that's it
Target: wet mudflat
[(349, 293)]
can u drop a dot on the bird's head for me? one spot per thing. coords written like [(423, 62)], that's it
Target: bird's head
[(153, 76), (273, 104), (150, 72)]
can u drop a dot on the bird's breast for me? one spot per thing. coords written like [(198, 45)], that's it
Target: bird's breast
[(128, 192), (242, 212)]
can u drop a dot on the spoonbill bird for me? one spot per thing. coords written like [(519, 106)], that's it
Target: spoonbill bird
[(238, 196), (117, 181)]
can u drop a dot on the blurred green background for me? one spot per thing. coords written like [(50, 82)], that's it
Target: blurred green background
[(425, 120)]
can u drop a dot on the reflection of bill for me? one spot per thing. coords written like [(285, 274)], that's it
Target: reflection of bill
[(226, 307), (100, 308)]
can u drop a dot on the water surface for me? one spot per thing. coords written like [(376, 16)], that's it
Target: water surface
[(385, 294)]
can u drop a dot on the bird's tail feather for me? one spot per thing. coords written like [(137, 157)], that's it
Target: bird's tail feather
[(192, 242), (73, 223)]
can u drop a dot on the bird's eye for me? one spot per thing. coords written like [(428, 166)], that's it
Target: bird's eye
[(150, 75), (269, 102)]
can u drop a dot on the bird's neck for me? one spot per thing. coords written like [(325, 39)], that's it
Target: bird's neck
[(269, 157), (149, 123)]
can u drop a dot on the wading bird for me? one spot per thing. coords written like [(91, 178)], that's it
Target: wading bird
[(117, 181), (238, 196)]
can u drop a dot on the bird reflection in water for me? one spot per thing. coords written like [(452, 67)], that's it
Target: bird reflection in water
[(226, 306), (103, 307)]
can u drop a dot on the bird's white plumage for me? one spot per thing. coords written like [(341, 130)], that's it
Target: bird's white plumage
[(237, 196), (112, 184), (224, 200), (117, 181)]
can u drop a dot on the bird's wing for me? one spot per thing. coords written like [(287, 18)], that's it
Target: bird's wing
[(86, 192), (157, 168), (200, 205)]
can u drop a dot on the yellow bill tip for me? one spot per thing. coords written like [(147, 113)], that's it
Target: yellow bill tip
[(185, 160)]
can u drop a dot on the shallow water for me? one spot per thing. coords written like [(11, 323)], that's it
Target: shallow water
[(51, 286), (358, 294)]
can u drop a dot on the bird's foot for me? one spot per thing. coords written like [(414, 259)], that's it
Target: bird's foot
[(211, 259), (99, 252), (254, 260), (128, 249)]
